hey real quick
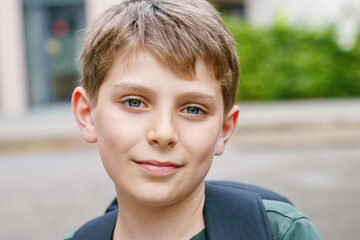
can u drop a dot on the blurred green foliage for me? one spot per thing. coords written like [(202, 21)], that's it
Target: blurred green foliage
[(287, 63)]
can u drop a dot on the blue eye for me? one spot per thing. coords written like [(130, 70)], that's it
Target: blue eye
[(134, 103), (193, 110)]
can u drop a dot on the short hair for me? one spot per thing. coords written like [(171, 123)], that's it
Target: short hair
[(178, 32)]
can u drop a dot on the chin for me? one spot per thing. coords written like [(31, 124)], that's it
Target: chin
[(162, 195), (158, 195)]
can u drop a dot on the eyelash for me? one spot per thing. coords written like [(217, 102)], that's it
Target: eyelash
[(201, 110), (127, 103)]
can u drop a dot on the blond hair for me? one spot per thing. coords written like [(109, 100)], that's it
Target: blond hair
[(178, 32)]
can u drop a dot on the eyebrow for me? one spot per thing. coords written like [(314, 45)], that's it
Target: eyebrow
[(199, 96), (195, 95), (134, 87)]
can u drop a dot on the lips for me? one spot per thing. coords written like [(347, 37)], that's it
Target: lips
[(156, 168)]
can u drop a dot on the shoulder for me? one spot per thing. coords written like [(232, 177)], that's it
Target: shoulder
[(287, 222), (284, 221)]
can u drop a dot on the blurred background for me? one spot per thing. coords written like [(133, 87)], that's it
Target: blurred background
[(299, 124)]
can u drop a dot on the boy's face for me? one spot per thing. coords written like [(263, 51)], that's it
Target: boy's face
[(157, 133)]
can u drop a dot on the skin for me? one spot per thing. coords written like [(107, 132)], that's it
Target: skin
[(157, 135)]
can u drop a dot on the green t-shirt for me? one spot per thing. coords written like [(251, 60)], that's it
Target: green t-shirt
[(288, 223), (200, 236)]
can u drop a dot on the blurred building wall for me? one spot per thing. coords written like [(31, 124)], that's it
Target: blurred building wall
[(17, 88), (95, 7), (13, 84)]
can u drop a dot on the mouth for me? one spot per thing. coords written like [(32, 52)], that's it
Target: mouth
[(156, 168)]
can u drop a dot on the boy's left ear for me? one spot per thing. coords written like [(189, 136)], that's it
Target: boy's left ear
[(228, 127)]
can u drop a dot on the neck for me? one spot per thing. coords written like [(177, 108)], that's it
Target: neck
[(181, 220)]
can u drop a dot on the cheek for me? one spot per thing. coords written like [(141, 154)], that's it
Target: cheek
[(113, 123), (111, 136), (116, 134), (201, 140)]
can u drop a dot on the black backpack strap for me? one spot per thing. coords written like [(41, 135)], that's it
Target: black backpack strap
[(99, 228), (231, 212), (265, 194)]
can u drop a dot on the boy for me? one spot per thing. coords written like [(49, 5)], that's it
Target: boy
[(158, 87)]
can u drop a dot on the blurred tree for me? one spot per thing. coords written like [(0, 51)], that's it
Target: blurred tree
[(288, 63)]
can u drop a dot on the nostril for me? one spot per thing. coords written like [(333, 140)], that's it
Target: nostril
[(162, 136), (170, 143)]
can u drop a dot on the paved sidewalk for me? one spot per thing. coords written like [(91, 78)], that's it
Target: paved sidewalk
[(49, 122), (300, 114)]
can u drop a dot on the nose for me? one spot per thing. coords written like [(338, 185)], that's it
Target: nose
[(162, 131)]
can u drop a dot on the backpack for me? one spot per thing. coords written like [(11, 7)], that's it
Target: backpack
[(231, 211)]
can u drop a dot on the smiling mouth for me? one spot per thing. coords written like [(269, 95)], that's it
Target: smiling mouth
[(159, 169)]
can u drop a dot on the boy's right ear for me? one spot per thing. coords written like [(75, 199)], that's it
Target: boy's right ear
[(81, 106)]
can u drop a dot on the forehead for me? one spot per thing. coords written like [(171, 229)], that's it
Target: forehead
[(144, 71), (185, 70), (144, 62)]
